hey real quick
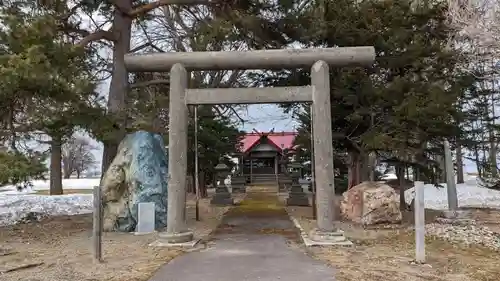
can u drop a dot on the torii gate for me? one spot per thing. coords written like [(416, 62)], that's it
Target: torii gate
[(318, 93)]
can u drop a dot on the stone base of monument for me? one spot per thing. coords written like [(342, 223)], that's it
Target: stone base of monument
[(222, 199), (321, 238), (297, 197), (183, 239)]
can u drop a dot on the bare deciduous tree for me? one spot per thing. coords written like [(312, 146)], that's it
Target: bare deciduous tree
[(77, 156), (477, 20)]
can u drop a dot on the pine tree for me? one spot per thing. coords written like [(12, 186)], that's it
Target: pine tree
[(405, 104), (46, 81)]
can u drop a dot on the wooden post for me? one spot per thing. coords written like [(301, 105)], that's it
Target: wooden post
[(313, 180), (196, 168), (419, 222), (451, 186), (97, 225)]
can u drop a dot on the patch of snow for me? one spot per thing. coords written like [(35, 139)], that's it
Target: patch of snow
[(469, 195), (14, 208), (44, 185), (15, 205), (389, 177)]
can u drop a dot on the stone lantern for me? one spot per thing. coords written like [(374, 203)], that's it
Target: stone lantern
[(238, 183), (296, 196), (284, 180), (296, 168), (283, 163), (221, 196)]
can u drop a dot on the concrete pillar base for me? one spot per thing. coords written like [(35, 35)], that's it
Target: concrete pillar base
[(175, 238), (319, 237)]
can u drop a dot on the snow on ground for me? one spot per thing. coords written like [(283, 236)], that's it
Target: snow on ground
[(44, 185), (469, 194), (15, 205)]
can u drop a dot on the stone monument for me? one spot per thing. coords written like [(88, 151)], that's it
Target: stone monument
[(138, 174), (145, 218), (296, 196), (222, 195)]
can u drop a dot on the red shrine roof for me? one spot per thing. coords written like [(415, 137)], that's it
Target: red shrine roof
[(282, 140)]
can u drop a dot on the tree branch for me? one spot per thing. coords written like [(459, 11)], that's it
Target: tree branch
[(143, 9), (145, 45), (98, 35), (149, 83)]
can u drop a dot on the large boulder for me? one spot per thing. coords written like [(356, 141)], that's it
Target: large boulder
[(370, 203), (137, 174)]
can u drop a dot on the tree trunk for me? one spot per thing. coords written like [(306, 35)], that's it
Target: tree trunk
[(400, 173), (493, 156), (77, 174), (202, 184), (365, 167), (373, 163), (55, 167), (67, 169), (460, 164), (492, 139), (442, 175), (353, 169), (190, 184), (118, 89), (478, 163)]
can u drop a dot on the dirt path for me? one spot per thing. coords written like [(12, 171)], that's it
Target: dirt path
[(252, 243)]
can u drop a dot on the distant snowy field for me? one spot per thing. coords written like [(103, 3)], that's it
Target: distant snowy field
[(15, 205)]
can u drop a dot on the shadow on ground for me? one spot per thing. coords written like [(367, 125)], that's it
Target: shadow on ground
[(259, 213), (250, 244)]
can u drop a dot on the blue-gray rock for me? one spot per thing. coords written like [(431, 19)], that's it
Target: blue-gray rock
[(137, 174)]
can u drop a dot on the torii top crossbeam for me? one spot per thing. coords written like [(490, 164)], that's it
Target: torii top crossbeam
[(259, 59)]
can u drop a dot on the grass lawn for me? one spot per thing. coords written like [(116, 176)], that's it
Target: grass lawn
[(66, 191)]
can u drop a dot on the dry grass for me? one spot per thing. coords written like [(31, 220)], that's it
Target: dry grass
[(63, 245), (259, 201), (387, 254)]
